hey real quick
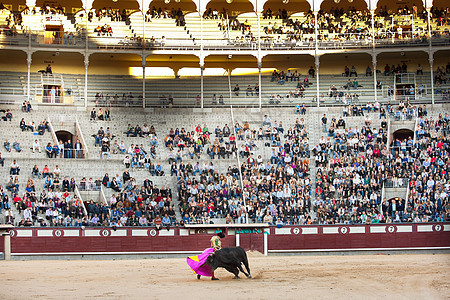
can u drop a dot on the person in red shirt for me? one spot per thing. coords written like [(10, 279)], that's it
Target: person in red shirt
[(199, 129), (159, 198), (17, 201), (46, 172), (232, 139), (210, 207)]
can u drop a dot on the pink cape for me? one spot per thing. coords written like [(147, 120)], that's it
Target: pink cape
[(198, 263)]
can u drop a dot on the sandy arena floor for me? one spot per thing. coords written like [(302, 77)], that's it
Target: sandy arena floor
[(287, 277)]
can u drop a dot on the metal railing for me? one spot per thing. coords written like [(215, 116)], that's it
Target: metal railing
[(287, 41), (77, 192), (396, 182), (84, 151)]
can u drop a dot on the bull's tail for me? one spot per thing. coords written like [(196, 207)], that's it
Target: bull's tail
[(245, 262)]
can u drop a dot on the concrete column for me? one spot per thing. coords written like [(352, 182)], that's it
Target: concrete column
[(202, 68), (316, 57), (432, 76), (430, 59), (144, 64), (316, 28), (429, 23), (87, 25), (29, 59), (374, 72), (7, 243), (86, 66), (317, 63), (372, 13), (201, 29), (144, 42), (259, 84), (202, 58), (259, 30)]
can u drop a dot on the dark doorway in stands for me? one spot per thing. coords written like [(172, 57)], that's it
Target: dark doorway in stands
[(403, 134), (65, 136)]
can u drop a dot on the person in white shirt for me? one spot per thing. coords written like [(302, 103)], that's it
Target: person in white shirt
[(31, 126), (145, 129), (266, 120), (122, 147), (8, 216), (56, 171), (131, 149), (113, 200), (61, 148), (36, 146), (118, 181), (153, 140), (27, 214)]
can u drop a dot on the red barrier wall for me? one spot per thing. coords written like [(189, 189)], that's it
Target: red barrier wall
[(295, 238), (360, 237)]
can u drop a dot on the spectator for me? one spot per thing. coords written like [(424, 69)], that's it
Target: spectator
[(16, 146), (15, 169), (36, 146), (236, 89), (7, 145)]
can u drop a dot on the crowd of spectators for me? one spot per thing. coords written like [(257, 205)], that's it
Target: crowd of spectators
[(274, 191), (115, 15), (56, 202), (134, 205), (343, 26), (160, 13), (352, 165), (105, 30)]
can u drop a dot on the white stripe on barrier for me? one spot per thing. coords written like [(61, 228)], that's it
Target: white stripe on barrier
[(283, 230), (45, 232), (310, 230), (92, 232), (357, 229), (446, 227), (404, 228), (118, 232), (330, 230), (24, 233), (164, 232), (71, 233), (139, 232), (184, 232), (424, 228), (377, 229)]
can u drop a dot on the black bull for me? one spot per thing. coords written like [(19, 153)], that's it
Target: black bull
[(231, 259)]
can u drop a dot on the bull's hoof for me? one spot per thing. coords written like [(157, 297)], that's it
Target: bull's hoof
[(237, 277), (198, 276), (249, 276), (214, 278)]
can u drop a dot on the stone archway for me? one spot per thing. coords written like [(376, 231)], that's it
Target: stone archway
[(64, 136), (402, 134)]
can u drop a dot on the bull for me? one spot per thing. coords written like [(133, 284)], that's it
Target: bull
[(231, 259)]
